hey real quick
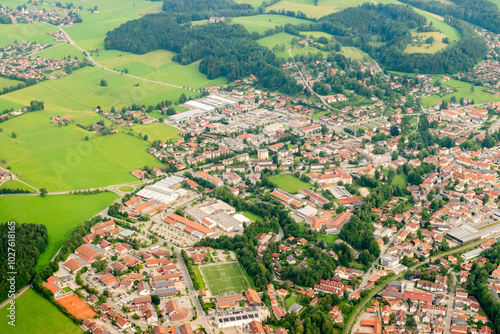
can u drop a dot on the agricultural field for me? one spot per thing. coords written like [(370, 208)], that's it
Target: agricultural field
[(323, 8), (224, 278), (158, 131), (424, 47), (261, 23), (82, 91), (42, 210), (14, 184), (60, 51), (35, 32), (158, 66), (4, 82), (463, 89), (254, 3), (36, 315), (438, 22), (290, 183), (58, 158)]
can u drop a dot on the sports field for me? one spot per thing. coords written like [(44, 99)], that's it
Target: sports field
[(290, 183), (224, 278), (36, 315), (58, 212), (58, 158), (77, 307)]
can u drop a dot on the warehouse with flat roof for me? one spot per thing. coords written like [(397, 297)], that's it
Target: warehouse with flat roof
[(466, 233), (238, 317)]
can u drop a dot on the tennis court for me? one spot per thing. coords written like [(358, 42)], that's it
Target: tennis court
[(77, 307)]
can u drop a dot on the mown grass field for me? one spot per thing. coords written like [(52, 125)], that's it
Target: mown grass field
[(58, 158), (60, 51), (36, 32), (158, 66), (126, 189), (224, 278), (261, 23), (254, 3), (450, 32), (463, 90), (436, 46), (60, 213), (158, 131), (290, 183), (36, 315), (4, 82), (82, 91), (323, 8), (14, 184)]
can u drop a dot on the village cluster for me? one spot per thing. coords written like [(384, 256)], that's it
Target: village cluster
[(35, 12)]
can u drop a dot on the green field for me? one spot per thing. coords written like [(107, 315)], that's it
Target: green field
[(158, 131), (60, 213), (291, 300), (4, 82), (14, 184), (290, 183), (254, 3), (463, 90), (126, 189), (400, 179), (450, 32), (261, 23), (58, 158), (36, 32), (82, 91), (224, 278), (427, 48), (250, 215), (328, 238), (36, 315), (323, 8), (60, 51), (199, 278)]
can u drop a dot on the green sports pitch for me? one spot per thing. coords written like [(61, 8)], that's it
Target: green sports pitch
[(224, 278)]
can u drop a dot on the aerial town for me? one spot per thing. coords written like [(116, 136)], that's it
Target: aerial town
[(167, 194)]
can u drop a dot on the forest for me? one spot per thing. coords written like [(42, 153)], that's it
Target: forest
[(392, 23), (30, 242), (483, 13), (478, 285), (224, 50), (189, 10)]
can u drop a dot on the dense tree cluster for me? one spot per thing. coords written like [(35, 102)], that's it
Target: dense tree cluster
[(30, 242), (478, 286), (483, 13), (193, 10), (224, 50), (392, 24)]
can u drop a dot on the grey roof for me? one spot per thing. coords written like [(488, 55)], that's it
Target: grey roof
[(295, 308)]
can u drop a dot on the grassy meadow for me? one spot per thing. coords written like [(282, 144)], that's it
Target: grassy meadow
[(290, 183), (158, 131), (58, 158), (323, 8), (36, 315), (436, 46), (57, 212), (14, 184), (261, 23), (4, 82), (463, 89)]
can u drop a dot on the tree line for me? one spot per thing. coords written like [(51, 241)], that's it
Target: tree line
[(30, 242)]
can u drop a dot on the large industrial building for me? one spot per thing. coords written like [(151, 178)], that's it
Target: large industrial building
[(466, 233), (161, 191)]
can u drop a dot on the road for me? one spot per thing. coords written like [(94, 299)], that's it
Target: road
[(381, 287), (451, 299), (89, 57)]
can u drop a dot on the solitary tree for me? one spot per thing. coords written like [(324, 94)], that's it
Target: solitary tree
[(104, 83)]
